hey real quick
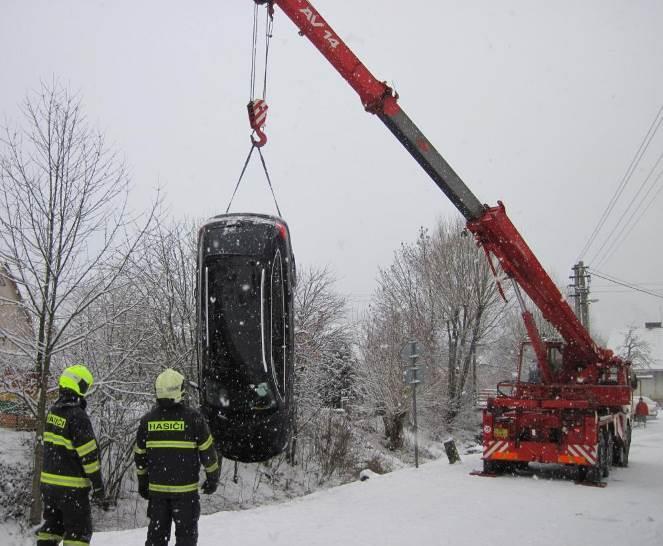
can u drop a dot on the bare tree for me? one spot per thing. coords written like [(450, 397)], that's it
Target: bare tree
[(383, 390), (468, 301), (164, 272), (440, 291), (64, 220), (635, 349), (119, 353), (148, 324), (324, 349)]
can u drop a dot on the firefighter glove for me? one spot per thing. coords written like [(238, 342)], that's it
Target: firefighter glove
[(210, 486), (99, 498), (98, 494)]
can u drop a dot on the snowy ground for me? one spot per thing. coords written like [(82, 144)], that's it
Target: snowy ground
[(441, 504)]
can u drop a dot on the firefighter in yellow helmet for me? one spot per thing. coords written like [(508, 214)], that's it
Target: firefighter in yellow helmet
[(172, 441), (71, 464)]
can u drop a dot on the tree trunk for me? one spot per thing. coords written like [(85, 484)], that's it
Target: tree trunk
[(291, 452), (393, 429), (35, 507)]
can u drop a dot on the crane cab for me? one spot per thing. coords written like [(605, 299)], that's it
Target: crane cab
[(245, 287), (529, 370)]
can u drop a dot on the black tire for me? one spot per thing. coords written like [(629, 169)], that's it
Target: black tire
[(620, 449), (627, 446), (521, 466), (618, 453), (493, 467), (608, 447), (589, 473), (594, 473)]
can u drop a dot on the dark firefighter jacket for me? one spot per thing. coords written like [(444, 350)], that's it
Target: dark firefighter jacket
[(71, 454), (172, 442)]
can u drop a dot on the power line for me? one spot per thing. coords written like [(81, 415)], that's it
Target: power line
[(614, 291), (608, 278), (620, 239), (609, 238), (653, 128), (638, 284)]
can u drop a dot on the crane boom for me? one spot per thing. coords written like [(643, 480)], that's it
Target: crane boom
[(490, 225)]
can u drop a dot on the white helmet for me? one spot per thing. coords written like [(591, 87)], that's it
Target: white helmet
[(169, 385)]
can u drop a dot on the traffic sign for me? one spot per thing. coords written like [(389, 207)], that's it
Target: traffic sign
[(410, 352), (413, 376)]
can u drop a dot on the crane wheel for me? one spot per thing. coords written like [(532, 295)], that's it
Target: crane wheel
[(608, 448), (621, 449)]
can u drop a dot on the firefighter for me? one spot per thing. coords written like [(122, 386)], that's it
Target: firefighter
[(71, 465), (171, 443)]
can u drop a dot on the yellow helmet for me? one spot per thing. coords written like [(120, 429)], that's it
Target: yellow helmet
[(76, 378), (169, 385)]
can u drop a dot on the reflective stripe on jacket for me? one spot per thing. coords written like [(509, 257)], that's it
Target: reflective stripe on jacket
[(172, 442), (71, 453)]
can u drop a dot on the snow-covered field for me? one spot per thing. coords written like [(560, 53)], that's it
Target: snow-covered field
[(441, 504)]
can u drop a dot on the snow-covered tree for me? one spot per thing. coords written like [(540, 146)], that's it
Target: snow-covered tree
[(147, 324), (324, 345), (635, 349), (440, 291), (164, 273), (64, 226)]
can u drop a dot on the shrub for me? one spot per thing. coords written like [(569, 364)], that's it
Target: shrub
[(15, 495)]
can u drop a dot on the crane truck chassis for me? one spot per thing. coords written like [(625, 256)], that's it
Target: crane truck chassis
[(577, 413)]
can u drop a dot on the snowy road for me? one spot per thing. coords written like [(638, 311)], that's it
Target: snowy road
[(441, 504)]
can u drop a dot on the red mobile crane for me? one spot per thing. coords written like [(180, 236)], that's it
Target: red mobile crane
[(577, 412)]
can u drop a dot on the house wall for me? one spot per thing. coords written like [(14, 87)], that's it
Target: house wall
[(650, 384), (14, 321)]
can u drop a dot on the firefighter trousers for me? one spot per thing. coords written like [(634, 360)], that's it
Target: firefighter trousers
[(182, 509), (67, 517)]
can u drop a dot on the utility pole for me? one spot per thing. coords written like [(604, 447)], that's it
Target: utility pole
[(581, 280), (409, 355)]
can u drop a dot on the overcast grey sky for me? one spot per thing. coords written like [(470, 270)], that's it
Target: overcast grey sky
[(539, 104)]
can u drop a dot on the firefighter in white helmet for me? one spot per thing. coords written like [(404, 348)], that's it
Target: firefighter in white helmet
[(172, 442)]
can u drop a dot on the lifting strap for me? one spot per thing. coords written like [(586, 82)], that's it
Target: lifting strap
[(269, 181), (241, 176), (246, 164), (257, 108)]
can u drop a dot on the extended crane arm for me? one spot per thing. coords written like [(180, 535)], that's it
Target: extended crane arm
[(490, 225), (378, 98)]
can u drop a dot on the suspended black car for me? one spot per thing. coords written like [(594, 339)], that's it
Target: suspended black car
[(246, 279)]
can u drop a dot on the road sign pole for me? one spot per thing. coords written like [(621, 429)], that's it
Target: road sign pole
[(416, 434)]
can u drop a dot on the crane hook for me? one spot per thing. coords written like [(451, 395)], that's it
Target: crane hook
[(257, 116)]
